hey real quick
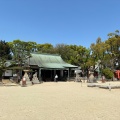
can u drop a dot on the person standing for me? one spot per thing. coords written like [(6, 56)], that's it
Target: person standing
[(24, 81), (56, 78), (103, 78)]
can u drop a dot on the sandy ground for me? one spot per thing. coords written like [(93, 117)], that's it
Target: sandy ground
[(59, 101)]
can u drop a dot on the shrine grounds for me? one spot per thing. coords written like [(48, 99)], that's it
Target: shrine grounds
[(59, 101)]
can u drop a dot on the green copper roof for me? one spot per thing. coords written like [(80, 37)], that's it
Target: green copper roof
[(49, 61)]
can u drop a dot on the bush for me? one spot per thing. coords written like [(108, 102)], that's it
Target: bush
[(107, 73)]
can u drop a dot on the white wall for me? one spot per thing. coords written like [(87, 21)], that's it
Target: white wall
[(8, 73)]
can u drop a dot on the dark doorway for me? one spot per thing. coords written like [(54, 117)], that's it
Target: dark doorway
[(48, 75)]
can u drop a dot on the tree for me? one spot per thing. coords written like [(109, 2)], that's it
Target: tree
[(31, 46), (45, 48), (21, 50), (107, 52), (5, 54), (79, 55), (117, 32), (107, 73), (114, 50), (65, 51), (98, 40), (5, 50)]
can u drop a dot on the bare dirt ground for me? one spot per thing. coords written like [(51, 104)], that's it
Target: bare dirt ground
[(59, 101)]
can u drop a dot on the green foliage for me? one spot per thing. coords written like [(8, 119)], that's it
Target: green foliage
[(113, 50), (45, 48), (79, 55), (108, 73), (66, 52), (107, 52), (4, 55), (4, 50), (21, 50)]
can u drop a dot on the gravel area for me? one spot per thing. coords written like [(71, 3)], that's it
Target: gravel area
[(59, 101)]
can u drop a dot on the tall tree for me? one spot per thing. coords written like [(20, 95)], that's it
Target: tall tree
[(45, 48), (64, 50), (21, 50), (5, 50), (5, 54), (114, 49)]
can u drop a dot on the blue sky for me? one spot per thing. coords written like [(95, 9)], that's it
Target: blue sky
[(78, 22)]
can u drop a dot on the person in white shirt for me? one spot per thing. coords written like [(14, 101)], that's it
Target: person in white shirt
[(56, 77)]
